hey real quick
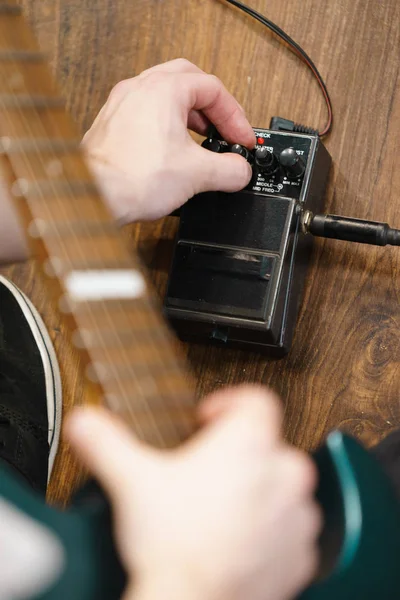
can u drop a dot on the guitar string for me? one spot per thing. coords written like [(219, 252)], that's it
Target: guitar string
[(155, 347), (27, 125), (128, 362), (27, 163)]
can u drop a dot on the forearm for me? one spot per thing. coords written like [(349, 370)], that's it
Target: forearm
[(13, 244)]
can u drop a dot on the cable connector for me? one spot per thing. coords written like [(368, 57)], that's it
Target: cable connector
[(281, 124), (350, 230)]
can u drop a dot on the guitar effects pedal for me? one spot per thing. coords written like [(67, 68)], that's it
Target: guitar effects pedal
[(240, 259)]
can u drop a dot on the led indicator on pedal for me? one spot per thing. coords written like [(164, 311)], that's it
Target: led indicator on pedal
[(260, 141)]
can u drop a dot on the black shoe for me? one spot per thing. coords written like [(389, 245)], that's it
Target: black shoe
[(30, 389)]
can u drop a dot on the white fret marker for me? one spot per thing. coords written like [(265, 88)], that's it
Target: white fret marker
[(96, 372), (53, 266), (82, 338), (104, 284), (37, 227), (54, 168), (20, 187), (5, 143)]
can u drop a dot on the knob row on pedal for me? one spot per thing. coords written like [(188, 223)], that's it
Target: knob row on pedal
[(262, 159)]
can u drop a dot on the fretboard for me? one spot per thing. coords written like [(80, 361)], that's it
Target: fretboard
[(130, 358)]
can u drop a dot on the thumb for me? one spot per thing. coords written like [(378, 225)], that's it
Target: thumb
[(218, 172), (105, 446), (252, 412)]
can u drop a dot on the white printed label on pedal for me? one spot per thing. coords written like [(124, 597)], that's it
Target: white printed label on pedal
[(104, 284)]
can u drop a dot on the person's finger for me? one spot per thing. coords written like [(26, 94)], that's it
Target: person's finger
[(105, 446), (217, 172), (177, 65), (207, 94), (246, 404), (198, 122), (123, 87), (300, 472), (216, 404), (306, 520)]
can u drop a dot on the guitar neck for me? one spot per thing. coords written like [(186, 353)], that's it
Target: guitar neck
[(130, 358)]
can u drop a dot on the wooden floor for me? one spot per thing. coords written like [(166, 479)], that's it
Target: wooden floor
[(344, 368)]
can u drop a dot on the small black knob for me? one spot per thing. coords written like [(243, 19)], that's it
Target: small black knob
[(238, 149), (265, 160), (212, 144), (292, 162)]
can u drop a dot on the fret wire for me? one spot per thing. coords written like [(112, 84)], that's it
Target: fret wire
[(40, 227), (28, 101), (146, 305), (132, 371), (137, 385), (23, 187), (124, 371), (166, 440), (87, 339), (127, 405), (163, 412), (119, 381), (15, 146), (101, 264), (160, 404), (22, 56), (12, 9), (161, 407), (175, 405), (105, 383)]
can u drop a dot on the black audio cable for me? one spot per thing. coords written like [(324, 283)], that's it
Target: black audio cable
[(351, 230), (278, 122)]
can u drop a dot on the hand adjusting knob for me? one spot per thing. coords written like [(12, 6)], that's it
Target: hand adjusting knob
[(238, 149), (265, 160), (292, 162), (212, 144)]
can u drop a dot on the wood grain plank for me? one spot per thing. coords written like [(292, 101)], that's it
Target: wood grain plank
[(344, 367)]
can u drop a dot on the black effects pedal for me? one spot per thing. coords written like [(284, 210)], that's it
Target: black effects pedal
[(240, 259)]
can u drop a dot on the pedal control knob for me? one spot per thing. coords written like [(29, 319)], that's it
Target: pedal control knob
[(265, 160), (292, 162), (238, 149), (212, 144)]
